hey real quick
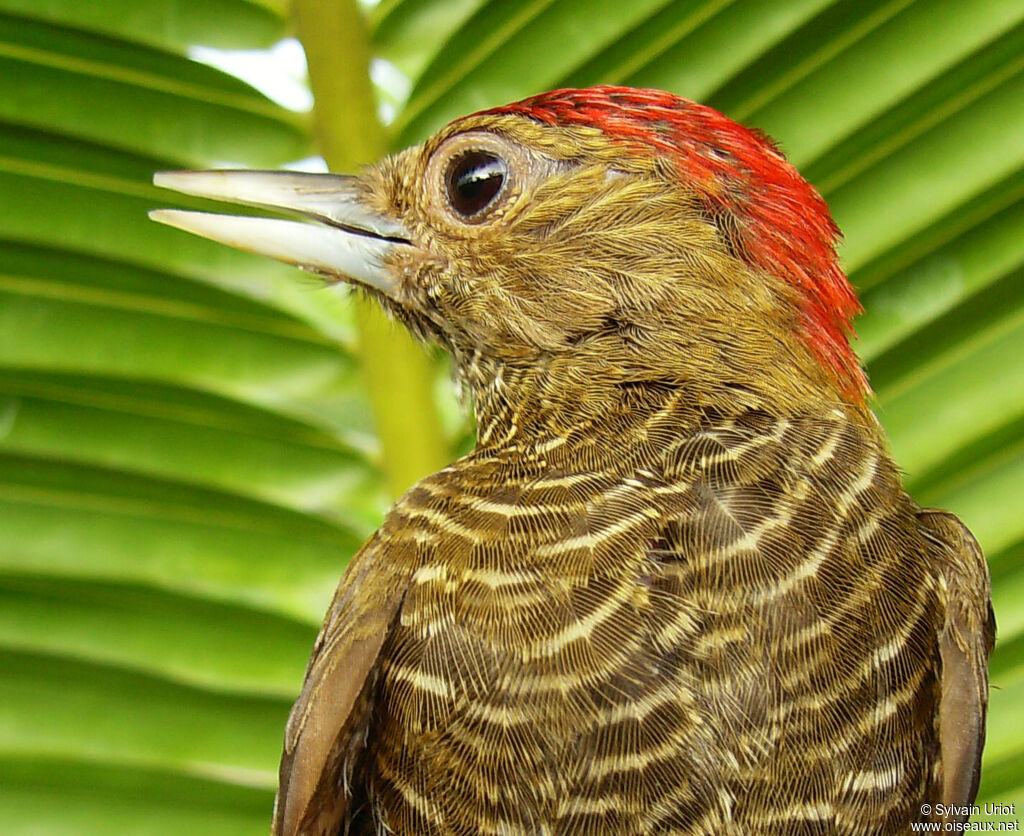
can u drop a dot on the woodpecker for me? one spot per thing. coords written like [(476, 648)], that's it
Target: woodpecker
[(678, 586)]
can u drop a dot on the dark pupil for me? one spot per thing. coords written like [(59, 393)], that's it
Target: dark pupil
[(473, 181)]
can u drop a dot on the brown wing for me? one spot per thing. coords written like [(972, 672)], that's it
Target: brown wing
[(965, 643), (326, 730)]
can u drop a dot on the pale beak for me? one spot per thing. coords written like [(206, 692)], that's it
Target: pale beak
[(348, 242)]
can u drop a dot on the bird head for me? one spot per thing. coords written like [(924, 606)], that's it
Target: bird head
[(578, 245)]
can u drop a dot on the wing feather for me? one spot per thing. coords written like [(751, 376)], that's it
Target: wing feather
[(327, 728), (964, 644)]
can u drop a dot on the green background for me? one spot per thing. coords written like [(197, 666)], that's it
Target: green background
[(193, 441)]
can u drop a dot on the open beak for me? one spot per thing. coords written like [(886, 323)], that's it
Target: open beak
[(348, 242)]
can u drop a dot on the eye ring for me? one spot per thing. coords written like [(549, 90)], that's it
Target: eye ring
[(474, 181)]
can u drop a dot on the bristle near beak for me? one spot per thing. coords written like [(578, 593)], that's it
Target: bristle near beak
[(348, 242)]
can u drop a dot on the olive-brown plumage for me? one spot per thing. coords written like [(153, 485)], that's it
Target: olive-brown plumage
[(677, 587)]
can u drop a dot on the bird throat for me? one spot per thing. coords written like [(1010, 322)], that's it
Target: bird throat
[(536, 415)]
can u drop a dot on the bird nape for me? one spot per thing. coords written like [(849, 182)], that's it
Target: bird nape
[(678, 586)]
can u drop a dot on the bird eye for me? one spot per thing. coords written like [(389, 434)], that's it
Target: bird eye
[(474, 180)]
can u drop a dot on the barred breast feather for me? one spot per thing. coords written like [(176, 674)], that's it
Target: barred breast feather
[(748, 628)]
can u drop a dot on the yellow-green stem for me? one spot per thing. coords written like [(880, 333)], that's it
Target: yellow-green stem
[(399, 374)]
